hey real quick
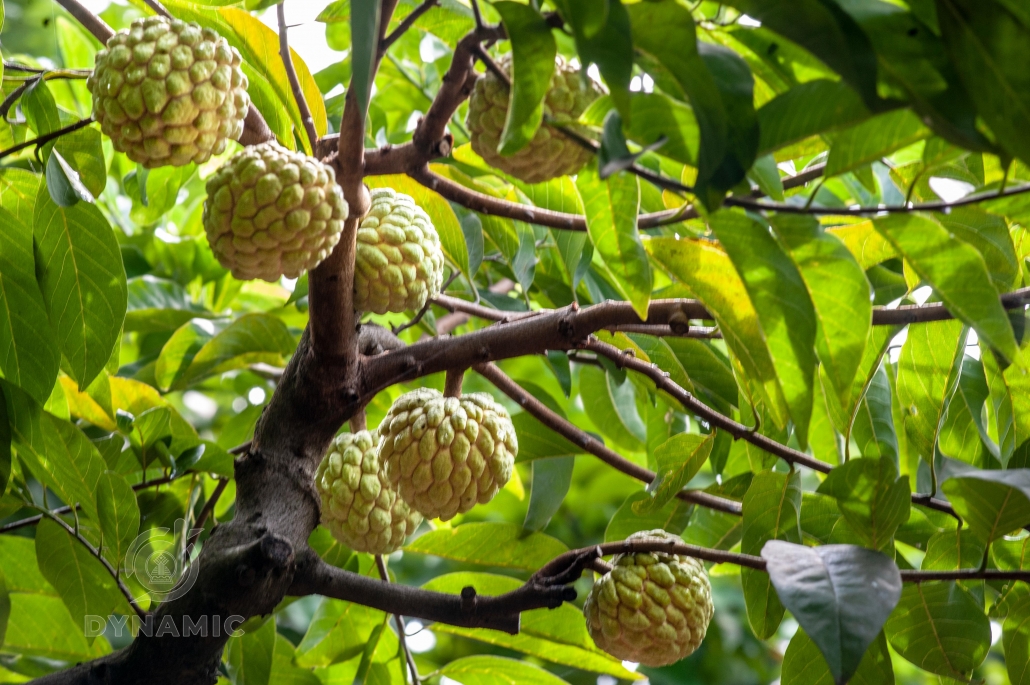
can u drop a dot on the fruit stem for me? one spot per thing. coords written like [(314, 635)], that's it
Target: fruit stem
[(453, 382)]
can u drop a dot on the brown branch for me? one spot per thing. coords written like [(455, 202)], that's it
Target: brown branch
[(405, 24), (500, 612), (91, 22), (738, 430), (158, 8), (255, 128), (291, 75), (453, 382), (589, 443), (700, 332), (46, 138), (207, 511)]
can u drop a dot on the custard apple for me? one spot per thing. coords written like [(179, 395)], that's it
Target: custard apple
[(168, 93), (445, 454), (271, 212), (550, 153), (399, 264), (359, 506), (652, 608)]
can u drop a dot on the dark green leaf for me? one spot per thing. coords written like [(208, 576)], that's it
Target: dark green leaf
[(118, 514), (533, 50), (551, 481), (840, 594), (629, 519), (63, 182), (603, 38), (992, 503), (678, 459), (803, 664), (364, 31), (809, 109), (871, 496), (491, 544), (1015, 639)]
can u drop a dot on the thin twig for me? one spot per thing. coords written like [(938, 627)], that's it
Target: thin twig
[(91, 22), (291, 74), (739, 431), (67, 509), (402, 637), (477, 14), (159, 8), (100, 557), (425, 308), (208, 510), (589, 443), (46, 138), (405, 24)]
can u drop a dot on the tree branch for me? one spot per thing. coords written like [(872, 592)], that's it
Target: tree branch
[(207, 511), (405, 24), (91, 22), (291, 75), (589, 443), (737, 430), (384, 574), (469, 610), (46, 138)]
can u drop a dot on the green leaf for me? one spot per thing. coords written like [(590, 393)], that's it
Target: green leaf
[(1010, 400), (537, 441), (501, 545), (706, 368), (83, 584), (872, 428), (452, 238), (249, 339), (364, 32), (940, 628), (989, 234), (611, 213), (803, 664), (249, 656), (809, 109), (603, 38), (532, 65), (928, 370), (63, 182), (953, 549), (158, 305), (992, 503), (873, 139), (484, 669), (772, 509), (987, 42), (871, 496), (28, 357), (840, 594), (40, 625), (551, 481), (611, 408), (1015, 640), (957, 273), (82, 279), (840, 296), (654, 115), (677, 460), (118, 515), (337, 632), (784, 308), (636, 515), (709, 275), (827, 32), (5, 596), (180, 350), (18, 191), (867, 245), (41, 111)]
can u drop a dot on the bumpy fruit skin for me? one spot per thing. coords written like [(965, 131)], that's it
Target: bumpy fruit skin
[(271, 212), (359, 506), (446, 454), (168, 93), (549, 154), (399, 264), (652, 608)]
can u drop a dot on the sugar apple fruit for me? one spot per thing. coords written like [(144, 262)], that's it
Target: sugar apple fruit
[(399, 263), (550, 153), (168, 93), (359, 506), (652, 608), (445, 454), (271, 212)]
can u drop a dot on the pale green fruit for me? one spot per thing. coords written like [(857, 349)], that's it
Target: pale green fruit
[(652, 608), (550, 153), (271, 212), (359, 506), (168, 93), (399, 264), (446, 454)]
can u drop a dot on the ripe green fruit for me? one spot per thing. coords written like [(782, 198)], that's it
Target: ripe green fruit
[(359, 506), (168, 93), (399, 264), (652, 608), (550, 153), (271, 212), (445, 454)]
